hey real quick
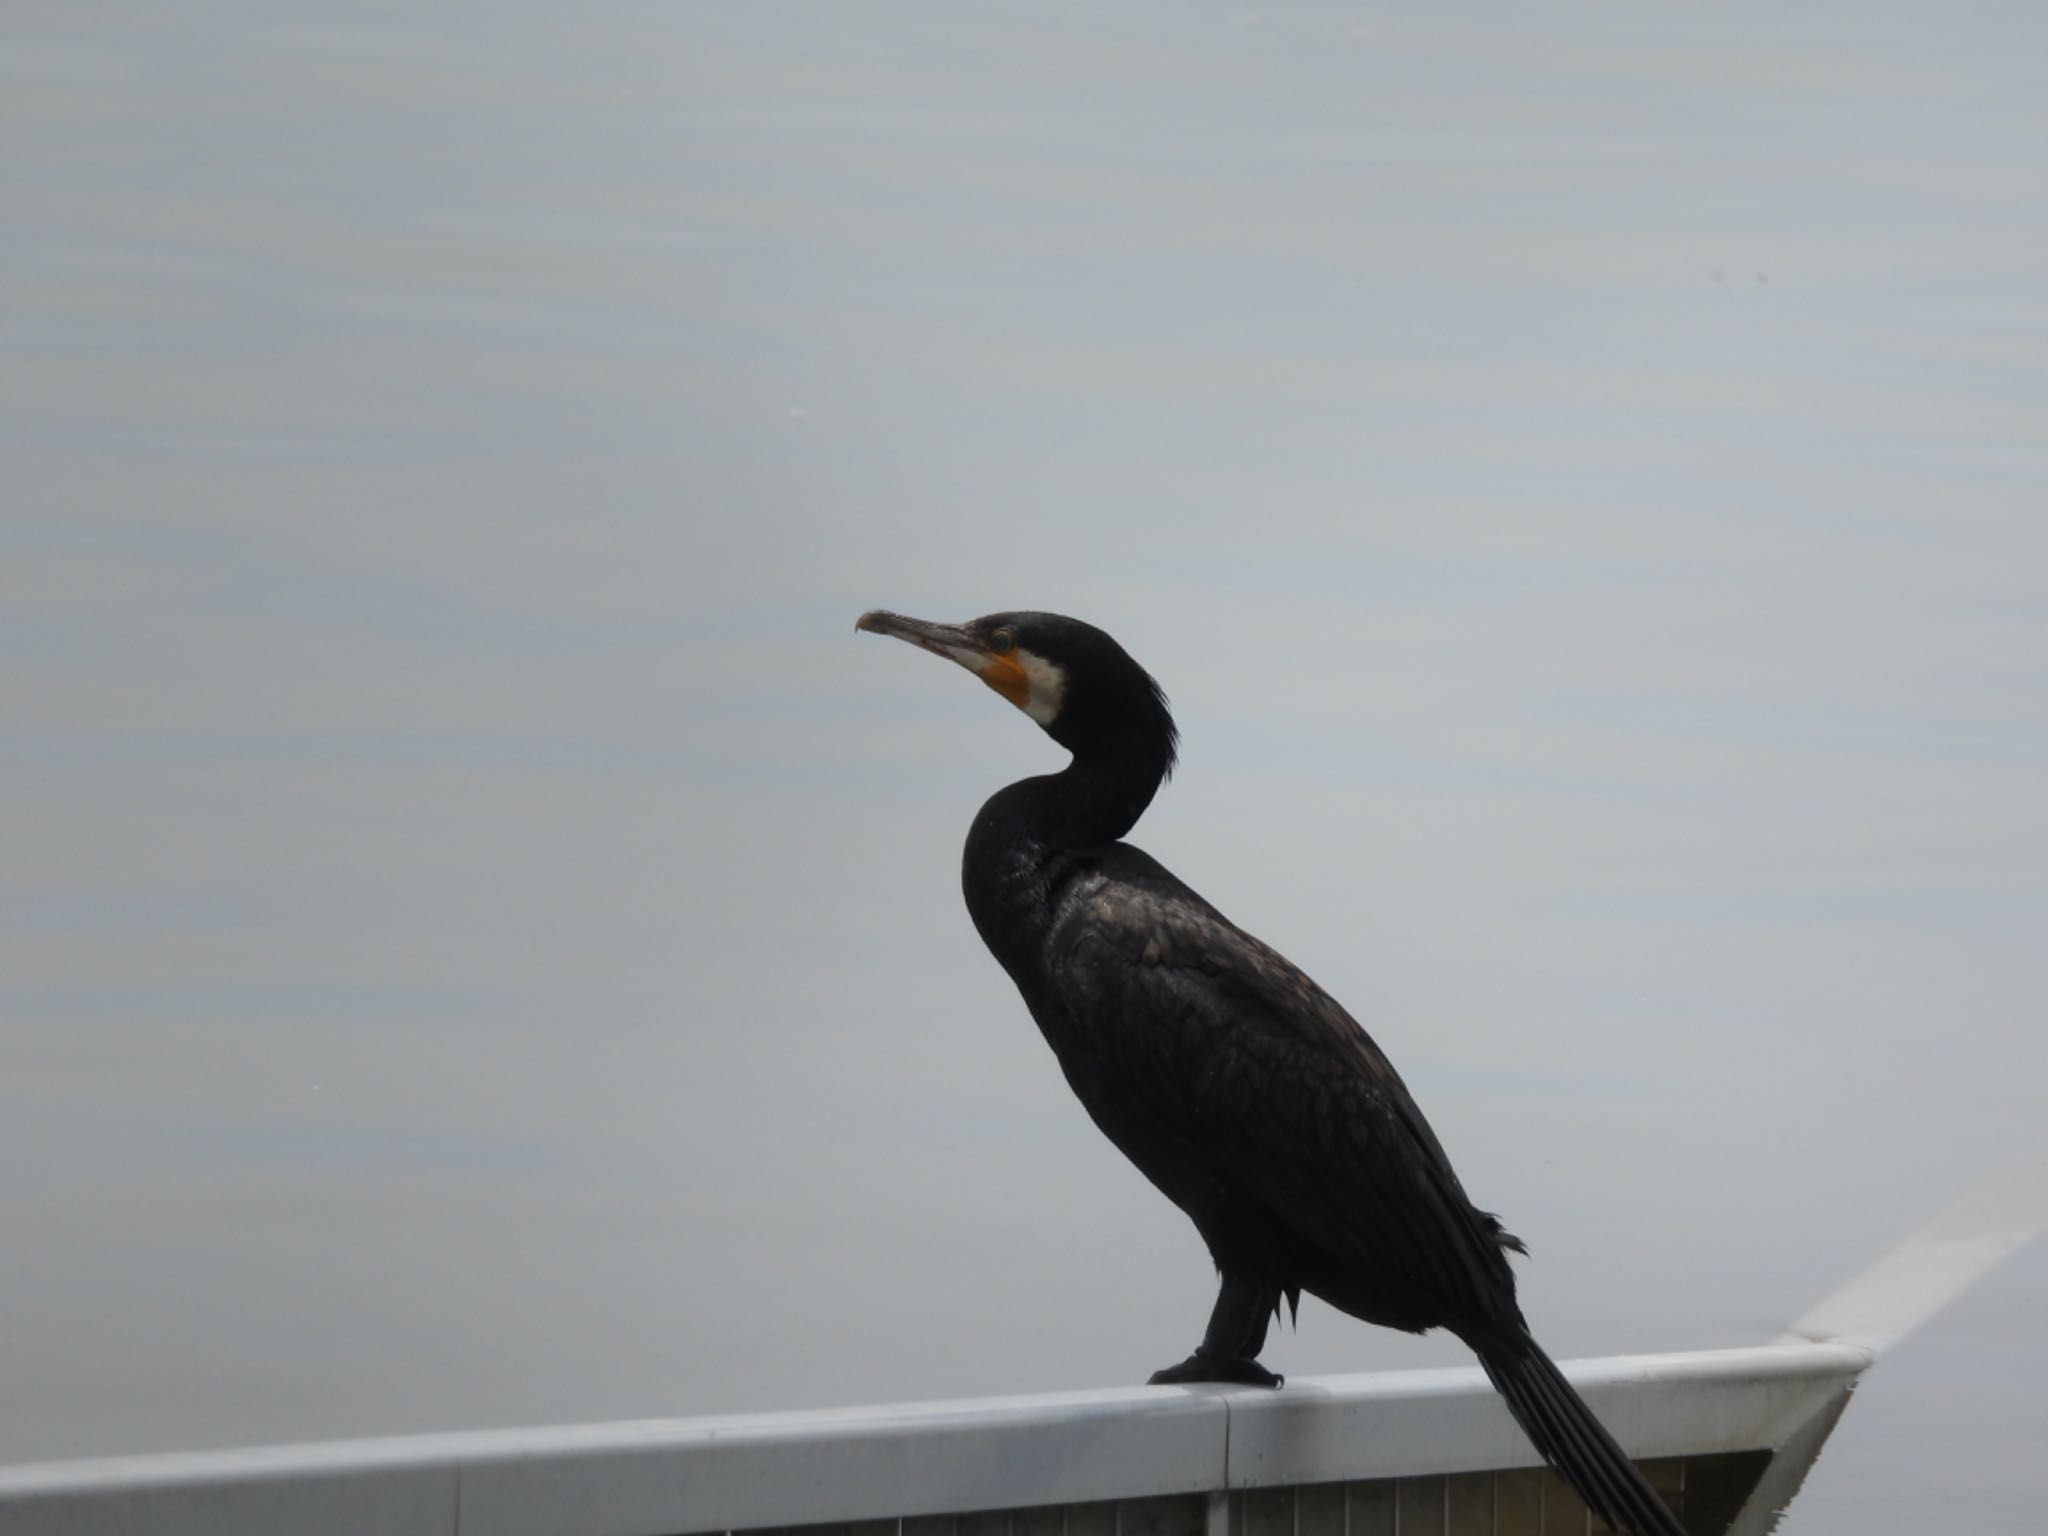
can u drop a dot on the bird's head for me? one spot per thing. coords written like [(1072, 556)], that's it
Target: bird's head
[(1075, 681)]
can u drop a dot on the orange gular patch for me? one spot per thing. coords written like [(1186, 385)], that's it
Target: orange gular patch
[(1003, 674)]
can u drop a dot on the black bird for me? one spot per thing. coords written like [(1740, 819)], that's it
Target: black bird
[(1238, 1086)]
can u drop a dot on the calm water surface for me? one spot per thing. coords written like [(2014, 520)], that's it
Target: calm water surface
[(478, 935)]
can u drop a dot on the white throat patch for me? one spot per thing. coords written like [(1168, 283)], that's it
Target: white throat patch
[(1048, 690)]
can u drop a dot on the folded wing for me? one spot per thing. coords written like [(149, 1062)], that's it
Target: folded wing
[(1277, 1089)]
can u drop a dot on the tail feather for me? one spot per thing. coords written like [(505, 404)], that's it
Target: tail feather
[(1557, 1420)]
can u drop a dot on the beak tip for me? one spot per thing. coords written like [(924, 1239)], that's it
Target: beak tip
[(949, 640)]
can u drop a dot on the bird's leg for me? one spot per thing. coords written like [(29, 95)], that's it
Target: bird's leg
[(1237, 1332)]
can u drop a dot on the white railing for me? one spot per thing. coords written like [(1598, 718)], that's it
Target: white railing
[(1057, 1452), (664, 1477)]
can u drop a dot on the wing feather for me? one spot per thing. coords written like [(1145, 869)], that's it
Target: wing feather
[(1273, 1085)]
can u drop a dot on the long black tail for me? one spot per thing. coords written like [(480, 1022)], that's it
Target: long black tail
[(1563, 1428)]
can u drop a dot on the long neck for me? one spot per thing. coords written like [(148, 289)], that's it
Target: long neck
[(1026, 831)]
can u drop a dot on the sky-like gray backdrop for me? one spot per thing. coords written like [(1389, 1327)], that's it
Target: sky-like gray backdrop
[(478, 933)]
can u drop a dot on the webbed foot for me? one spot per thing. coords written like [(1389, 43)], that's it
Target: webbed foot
[(1206, 1367)]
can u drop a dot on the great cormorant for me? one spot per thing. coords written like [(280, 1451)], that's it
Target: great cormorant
[(1237, 1085)]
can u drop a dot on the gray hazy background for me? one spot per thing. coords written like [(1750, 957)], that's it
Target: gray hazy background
[(481, 942)]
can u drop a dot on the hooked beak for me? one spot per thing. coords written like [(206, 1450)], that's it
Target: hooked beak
[(1002, 672), (951, 641)]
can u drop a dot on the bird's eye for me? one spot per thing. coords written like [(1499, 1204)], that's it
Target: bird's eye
[(1001, 641)]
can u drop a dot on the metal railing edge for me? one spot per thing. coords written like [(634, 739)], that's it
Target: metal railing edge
[(792, 1468)]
